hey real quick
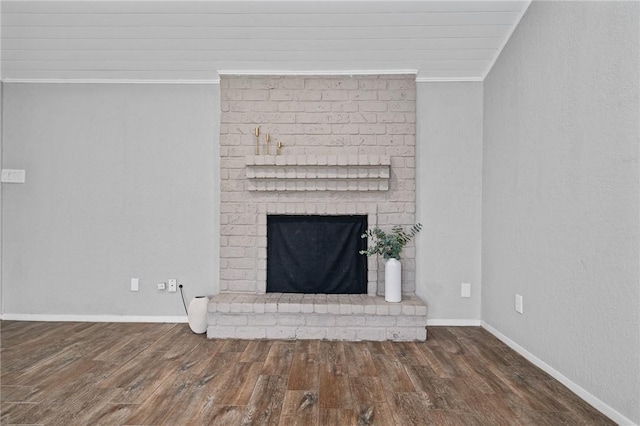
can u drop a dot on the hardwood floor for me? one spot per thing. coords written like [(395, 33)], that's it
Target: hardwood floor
[(141, 374)]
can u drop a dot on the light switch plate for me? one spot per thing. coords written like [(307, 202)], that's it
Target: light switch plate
[(135, 283), (13, 176)]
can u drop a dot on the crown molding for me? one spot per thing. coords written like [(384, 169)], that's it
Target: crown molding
[(238, 73), (104, 81), (316, 72)]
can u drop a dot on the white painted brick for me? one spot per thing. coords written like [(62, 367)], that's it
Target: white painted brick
[(335, 95), (344, 119), (402, 84), (251, 333), (235, 307), (357, 309), (212, 318), (320, 308), (317, 106), (380, 321), (370, 309), (382, 309), (331, 83), (345, 309), (363, 96), (320, 320), (411, 321), (421, 310), (349, 320), (295, 307), (331, 333), (271, 307), (290, 319), (306, 307), (309, 95), (255, 95), (333, 308), (262, 319), (311, 333), (372, 333), (373, 106), (277, 332), (281, 95), (408, 310), (291, 106), (421, 334), (230, 319), (349, 334), (395, 309), (346, 106), (216, 332), (402, 106), (224, 306), (401, 334)]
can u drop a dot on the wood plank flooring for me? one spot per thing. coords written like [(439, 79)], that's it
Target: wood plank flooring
[(162, 374)]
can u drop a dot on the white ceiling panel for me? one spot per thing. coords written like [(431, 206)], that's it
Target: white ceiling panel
[(440, 40)]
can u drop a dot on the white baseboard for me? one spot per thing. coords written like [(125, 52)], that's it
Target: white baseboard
[(92, 318), (453, 322), (578, 390)]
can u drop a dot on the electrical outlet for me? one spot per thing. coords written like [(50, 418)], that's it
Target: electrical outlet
[(465, 291), (161, 286), (173, 285), (13, 176), (135, 284), (519, 304)]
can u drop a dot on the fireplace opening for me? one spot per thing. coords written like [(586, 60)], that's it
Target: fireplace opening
[(316, 254)]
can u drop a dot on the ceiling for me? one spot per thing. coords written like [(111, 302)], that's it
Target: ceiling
[(194, 40)]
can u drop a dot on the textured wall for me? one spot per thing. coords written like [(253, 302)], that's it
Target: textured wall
[(339, 116), (560, 195), (449, 189), (121, 183)]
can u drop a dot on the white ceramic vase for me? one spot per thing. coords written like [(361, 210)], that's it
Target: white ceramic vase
[(197, 314), (393, 280)]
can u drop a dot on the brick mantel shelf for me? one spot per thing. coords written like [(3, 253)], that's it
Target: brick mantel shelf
[(318, 173)]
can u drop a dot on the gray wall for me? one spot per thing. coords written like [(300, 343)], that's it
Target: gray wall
[(560, 195), (448, 198), (121, 182), (1, 186)]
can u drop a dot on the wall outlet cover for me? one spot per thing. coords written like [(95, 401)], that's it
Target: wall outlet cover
[(465, 290), (518, 307), (173, 285)]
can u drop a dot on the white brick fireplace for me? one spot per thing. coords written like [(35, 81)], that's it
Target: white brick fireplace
[(347, 148), (348, 145)]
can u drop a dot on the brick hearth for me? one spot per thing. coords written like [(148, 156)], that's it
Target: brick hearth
[(316, 316)]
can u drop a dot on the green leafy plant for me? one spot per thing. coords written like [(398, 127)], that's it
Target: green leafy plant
[(389, 245)]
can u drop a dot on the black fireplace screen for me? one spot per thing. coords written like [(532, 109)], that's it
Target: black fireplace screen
[(316, 254)]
